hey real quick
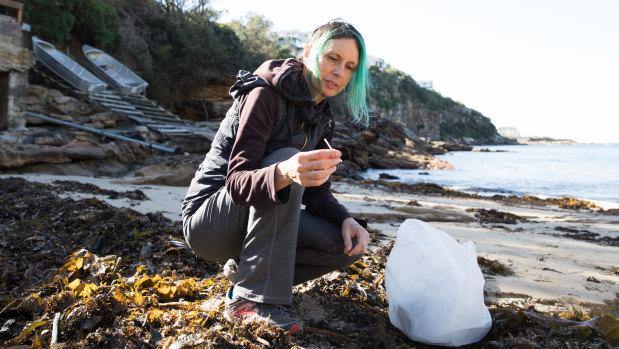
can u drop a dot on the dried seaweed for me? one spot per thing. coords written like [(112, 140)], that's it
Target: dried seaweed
[(494, 216), (81, 273), (565, 202)]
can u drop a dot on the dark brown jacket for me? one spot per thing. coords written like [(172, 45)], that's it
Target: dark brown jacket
[(273, 109)]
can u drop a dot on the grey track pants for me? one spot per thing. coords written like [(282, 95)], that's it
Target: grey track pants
[(276, 246)]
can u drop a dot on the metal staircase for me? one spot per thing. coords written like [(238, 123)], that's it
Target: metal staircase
[(135, 107), (143, 111)]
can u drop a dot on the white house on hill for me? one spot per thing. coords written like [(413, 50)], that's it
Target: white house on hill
[(294, 39)]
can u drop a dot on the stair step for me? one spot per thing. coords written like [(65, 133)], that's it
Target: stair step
[(125, 111), (118, 106)]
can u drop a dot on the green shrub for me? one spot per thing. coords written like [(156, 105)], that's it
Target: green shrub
[(91, 21)]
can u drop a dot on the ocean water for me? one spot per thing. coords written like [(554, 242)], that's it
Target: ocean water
[(587, 172)]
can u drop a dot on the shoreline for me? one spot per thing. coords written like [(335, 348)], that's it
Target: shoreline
[(511, 170), (107, 258), (551, 268), (550, 271)]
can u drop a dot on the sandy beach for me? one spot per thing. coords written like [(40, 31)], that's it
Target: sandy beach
[(547, 269)]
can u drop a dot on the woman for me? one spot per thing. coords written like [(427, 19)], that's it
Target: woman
[(270, 156)]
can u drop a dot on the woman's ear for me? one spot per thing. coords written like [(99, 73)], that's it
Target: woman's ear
[(306, 53)]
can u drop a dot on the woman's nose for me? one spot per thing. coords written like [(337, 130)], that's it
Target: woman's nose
[(339, 69)]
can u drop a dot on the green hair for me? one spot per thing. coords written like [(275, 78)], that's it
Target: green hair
[(360, 83)]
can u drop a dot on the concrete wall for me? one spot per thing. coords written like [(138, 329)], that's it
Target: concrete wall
[(15, 61), (10, 30)]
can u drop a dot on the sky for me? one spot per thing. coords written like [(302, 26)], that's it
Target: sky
[(549, 68)]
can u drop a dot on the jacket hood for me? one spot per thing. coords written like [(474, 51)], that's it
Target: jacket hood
[(285, 76)]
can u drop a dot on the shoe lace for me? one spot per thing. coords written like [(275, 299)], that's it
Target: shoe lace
[(271, 309)]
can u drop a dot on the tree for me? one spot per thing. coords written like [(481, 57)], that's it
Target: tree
[(284, 52), (92, 21), (256, 37), (95, 22), (51, 20)]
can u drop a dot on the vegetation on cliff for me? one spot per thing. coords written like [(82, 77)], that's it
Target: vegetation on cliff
[(455, 120), (178, 47), (174, 46)]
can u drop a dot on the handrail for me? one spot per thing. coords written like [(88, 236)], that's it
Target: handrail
[(99, 132)]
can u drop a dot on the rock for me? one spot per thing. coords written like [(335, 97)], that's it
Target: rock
[(86, 157), (83, 135), (53, 140), (192, 143), (36, 95), (174, 170), (177, 175), (385, 144), (46, 101), (14, 57), (103, 119), (61, 104), (347, 169), (143, 131), (82, 150), (451, 146), (17, 155), (32, 121), (387, 176), (486, 150), (435, 215)]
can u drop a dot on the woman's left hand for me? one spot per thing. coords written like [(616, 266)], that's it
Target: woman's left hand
[(351, 230)]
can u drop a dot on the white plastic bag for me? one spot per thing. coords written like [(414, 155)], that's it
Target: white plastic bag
[(435, 287)]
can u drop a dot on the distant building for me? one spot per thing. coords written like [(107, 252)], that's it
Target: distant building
[(378, 62), (427, 84), (294, 39)]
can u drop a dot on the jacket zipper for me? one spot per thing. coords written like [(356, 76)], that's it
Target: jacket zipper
[(303, 131)]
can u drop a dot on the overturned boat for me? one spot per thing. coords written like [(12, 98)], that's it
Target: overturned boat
[(114, 73), (66, 68)]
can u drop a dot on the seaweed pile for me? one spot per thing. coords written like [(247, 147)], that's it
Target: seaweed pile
[(565, 202), (494, 216), (81, 273)]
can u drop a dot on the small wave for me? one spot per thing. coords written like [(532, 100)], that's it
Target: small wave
[(481, 191)]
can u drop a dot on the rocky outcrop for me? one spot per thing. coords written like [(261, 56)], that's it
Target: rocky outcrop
[(102, 120), (176, 170), (426, 113), (454, 124), (384, 144), (51, 102), (99, 158)]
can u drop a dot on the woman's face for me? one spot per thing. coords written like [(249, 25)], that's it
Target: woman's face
[(337, 65)]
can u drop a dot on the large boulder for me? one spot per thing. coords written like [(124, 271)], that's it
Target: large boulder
[(102, 120), (191, 143), (52, 102), (87, 153), (61, 104), (385, 144), (175, 170)]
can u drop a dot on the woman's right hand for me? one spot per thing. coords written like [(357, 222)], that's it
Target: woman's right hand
[(308, 169)]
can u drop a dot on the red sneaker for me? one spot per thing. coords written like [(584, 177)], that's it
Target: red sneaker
[(241, 309)]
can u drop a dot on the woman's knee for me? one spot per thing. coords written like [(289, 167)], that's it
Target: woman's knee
[(352, 259), (210, 245)]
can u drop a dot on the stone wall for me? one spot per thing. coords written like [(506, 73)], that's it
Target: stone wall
[(15, 61), (10, 30)]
